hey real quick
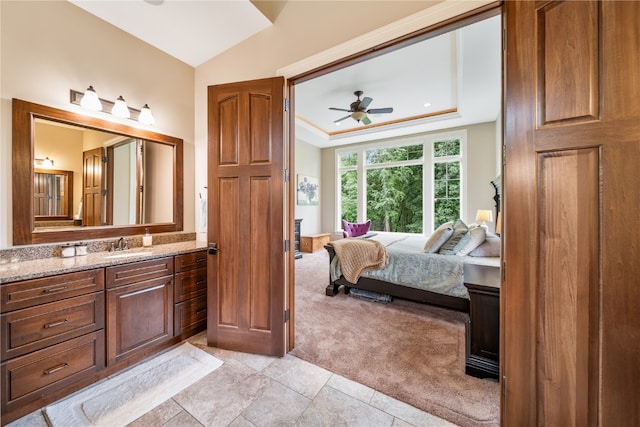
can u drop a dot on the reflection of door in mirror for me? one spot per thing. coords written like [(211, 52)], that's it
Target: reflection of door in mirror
[(123, 207), (134, 186), (92, 194), (53, 194)]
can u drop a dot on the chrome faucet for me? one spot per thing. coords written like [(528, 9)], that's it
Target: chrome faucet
[(119, 245)]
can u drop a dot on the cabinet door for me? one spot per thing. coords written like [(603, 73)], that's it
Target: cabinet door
[(139, 316)]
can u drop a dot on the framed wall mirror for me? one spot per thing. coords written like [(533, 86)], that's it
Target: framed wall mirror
[(110, 179)]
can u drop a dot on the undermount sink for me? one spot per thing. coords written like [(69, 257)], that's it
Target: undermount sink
[(128, 254)]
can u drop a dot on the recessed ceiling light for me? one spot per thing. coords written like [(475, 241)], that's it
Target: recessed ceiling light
[(427, 104)]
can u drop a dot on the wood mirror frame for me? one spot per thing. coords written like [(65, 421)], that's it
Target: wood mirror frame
[(24, 231)]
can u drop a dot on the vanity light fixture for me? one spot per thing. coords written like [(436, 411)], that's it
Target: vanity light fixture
[(145, 116), (43, 163), (89, 100), (120, 108)]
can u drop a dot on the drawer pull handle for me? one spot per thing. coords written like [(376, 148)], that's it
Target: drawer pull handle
[(54, 324), (201, 311), (201, 282), (201, 259), (58, 289), (55, 369)]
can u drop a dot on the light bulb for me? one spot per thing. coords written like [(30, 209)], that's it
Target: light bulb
[(120, 108), (90, 100), (145, 116)]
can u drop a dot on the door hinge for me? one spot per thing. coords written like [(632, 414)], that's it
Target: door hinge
[(104, 159), (286, 315), (504, 155), (142, 189), (104, 192), (286, 175), (286, 245), (286, 104), (504, 39)]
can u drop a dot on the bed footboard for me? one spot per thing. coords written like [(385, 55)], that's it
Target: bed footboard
[(404, 292)]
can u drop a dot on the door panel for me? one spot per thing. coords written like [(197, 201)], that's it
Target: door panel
[(92, 180), (246, 217), (570, 233)]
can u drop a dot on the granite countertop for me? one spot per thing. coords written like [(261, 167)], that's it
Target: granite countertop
[(23, 270)]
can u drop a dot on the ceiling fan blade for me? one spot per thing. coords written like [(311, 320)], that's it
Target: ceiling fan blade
[(339, 120), (380, 110), (338, 109), (366, 121), (365, 103)]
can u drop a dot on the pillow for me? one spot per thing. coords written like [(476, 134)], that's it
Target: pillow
[(355, 229), (459, 230), (439, 236), (474, 238), (490, 246)]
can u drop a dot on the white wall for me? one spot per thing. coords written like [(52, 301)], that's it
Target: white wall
[(300, 30), (50, 47), (481, 167), (308, 163)]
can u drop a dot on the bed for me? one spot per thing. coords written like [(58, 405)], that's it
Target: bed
[(410, 273)]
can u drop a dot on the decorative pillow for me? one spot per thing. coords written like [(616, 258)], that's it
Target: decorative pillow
[(474, 238), (459, 230), (439, 236), (490, 246)]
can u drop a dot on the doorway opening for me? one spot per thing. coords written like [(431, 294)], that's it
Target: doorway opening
[(320, 92)]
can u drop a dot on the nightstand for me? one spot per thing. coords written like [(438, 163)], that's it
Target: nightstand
[(483, 328)]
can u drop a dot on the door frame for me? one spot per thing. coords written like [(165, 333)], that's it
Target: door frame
[(429, 23)]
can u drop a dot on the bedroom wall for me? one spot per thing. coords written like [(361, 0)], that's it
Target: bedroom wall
[(481, 167), (308, 163), (50, 47)]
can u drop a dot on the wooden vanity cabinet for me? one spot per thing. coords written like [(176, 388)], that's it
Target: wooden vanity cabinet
[(139, 309), (190, 294), (52, 338)]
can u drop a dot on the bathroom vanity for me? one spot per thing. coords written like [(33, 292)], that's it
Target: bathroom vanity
[(67, 323)]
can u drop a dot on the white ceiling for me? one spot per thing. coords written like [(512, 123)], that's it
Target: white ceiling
[(191, 31), (458, 71)]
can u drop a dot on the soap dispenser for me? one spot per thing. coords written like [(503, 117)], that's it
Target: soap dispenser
[(146, 238)]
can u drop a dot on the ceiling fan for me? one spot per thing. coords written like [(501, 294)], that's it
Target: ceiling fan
[(358, 109)]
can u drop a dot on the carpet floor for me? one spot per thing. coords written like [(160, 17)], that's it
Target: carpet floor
[(410, 351)]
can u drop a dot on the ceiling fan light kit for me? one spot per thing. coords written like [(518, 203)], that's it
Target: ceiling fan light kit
[(358, 109)]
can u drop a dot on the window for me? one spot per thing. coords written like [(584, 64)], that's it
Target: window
[(447, 162), (393, 185)]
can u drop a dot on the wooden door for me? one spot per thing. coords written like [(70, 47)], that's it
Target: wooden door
[(92, 185), (246, 190), (571, 293)]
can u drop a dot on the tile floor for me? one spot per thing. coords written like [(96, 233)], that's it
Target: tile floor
[(250, 390)]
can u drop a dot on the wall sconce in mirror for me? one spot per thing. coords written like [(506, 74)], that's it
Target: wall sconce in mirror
[(89, 99), (43, 163)]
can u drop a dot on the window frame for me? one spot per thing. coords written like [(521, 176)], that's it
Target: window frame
[(427, 162)]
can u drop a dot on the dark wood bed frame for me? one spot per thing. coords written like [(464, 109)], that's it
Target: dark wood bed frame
[(398, 291), (405, 292)]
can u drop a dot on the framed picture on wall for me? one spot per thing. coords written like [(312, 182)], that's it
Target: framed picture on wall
[(308, 190)]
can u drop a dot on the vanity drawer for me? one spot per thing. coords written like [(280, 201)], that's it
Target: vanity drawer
[(126, 274), (190, 316), (191, 261), (31, 329), (29, 378), (32, 292), (190, 284)]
